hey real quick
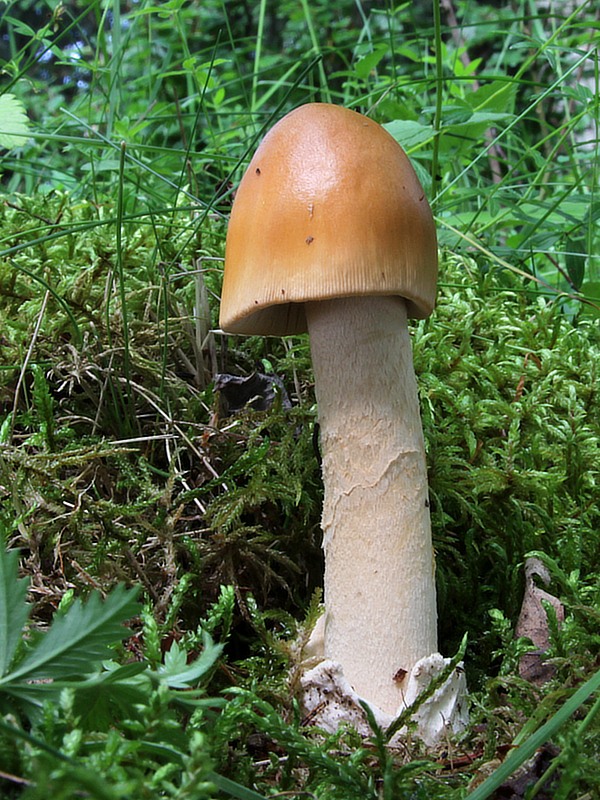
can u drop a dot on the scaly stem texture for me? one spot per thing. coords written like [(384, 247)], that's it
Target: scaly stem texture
[(379, 567)]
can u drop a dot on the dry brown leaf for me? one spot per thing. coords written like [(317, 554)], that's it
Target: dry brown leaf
[(533, 623)]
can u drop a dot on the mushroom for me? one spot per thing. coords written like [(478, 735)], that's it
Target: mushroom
[(331, 232)]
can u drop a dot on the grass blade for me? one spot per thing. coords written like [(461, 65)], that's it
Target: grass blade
[(232, 788), (527, 749)]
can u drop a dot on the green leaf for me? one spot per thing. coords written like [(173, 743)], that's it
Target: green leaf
[(367, 64), (178, 674), (496, 96), (21, 27), (14, 124), (591, 291), (575, 258), (175, 660), (13, 608), (111, 694), (98, 700), (408, 133), (79, 639)]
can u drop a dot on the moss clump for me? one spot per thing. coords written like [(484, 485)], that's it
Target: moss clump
[(511, 411)]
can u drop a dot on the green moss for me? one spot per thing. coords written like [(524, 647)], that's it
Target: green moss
[(511, 412)]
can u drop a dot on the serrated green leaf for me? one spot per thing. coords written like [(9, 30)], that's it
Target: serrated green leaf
[(175, 660), (111, 694), (13, 608), (177, 674), (14, 124), (78, 640), (99, 698)]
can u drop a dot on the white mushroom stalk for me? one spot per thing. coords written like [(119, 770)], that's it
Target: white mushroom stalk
[(380, 616)]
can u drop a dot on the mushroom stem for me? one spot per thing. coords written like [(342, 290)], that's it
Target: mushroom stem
[(379, 566)]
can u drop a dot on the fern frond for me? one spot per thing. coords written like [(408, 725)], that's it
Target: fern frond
[(79, 639)]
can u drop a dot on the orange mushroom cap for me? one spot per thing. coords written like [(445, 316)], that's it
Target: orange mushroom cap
[(329, 206)]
